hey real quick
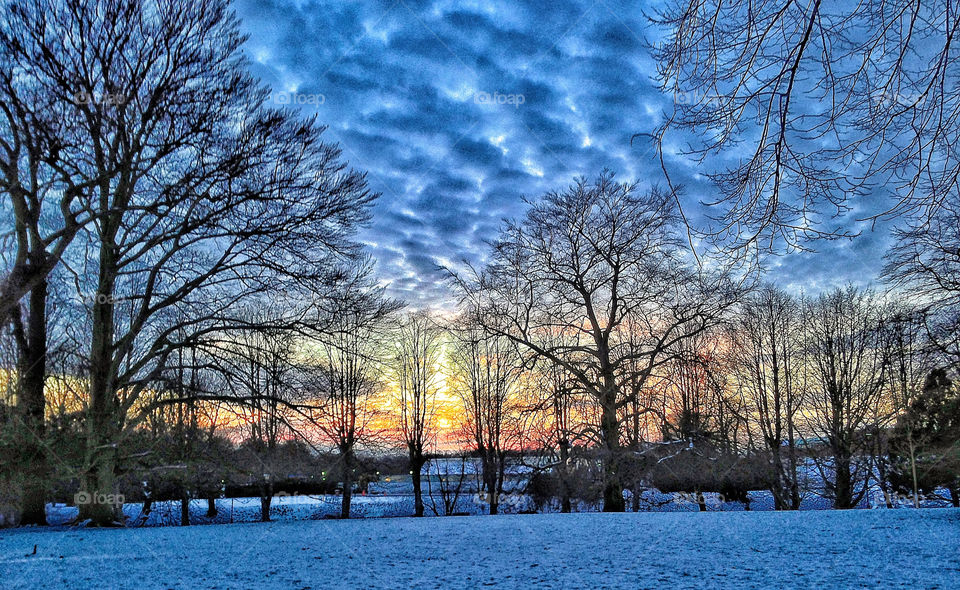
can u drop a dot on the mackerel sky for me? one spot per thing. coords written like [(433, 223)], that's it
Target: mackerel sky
[(457, 110)]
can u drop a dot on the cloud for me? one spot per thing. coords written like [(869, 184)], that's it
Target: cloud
[(411, 94)]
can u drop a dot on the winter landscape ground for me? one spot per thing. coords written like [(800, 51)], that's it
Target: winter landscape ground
[(729, 550), (310, 294)]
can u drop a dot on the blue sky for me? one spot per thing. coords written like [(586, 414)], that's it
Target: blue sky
[(457, 110)]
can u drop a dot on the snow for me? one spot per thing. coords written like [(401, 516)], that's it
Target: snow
[(729, 550)]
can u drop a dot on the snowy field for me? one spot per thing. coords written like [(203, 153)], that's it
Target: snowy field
[(729, 550)]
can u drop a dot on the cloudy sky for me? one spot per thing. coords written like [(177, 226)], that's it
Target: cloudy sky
[(459, 109)]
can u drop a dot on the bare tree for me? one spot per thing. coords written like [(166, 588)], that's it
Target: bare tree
[(909, 361), (449, 473), (828, 101), (349, 368), (259, 370), (185, 423), (563, 282), (550, 396), (929, 453), (768, 360), (46, 203), (696, 408), (924, 263), (486, 370), (203, 194), (416, 368), (848, 374), (43, 158)]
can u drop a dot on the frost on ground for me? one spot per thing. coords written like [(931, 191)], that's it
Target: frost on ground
[(851, 549)]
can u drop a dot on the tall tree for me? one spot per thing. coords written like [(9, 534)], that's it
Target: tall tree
[(564, 280), (550, 396), (848, 373), (767, 352), (258, 368), (909, 361), (204, 196), (924, 445), (46, 190), (416, 363), (697, 408), (349, 375), (486, 369)]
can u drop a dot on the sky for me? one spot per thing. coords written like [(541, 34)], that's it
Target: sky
[(457, 110)]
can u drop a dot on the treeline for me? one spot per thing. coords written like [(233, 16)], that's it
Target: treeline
[(183, 294), (591, 351), (629, 343)]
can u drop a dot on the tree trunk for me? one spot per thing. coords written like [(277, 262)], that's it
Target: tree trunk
[(913, 469), (101, 504), (955, 496), (102, 422), (490, 475), (211, 507), (501, 475), (794, 495), (33, 369), (565, 504), (780, 488), (610, 429), (794, 480), (883, 480), (266, 496), (416, 466), (843, 484), (701, 501), (347, 484), (888, 499), (793, 462), (778, 503), (184, 507)]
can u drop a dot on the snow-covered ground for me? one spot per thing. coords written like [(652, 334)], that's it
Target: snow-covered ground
[(729, 550)]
